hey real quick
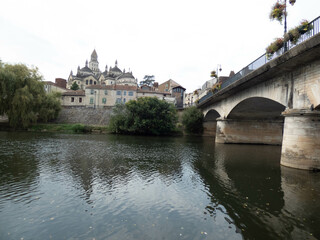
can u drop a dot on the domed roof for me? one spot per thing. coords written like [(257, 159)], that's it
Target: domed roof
[(86, 69), (115, 69), (126, 75)]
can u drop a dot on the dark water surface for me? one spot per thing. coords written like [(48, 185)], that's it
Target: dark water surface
[(59, 186)]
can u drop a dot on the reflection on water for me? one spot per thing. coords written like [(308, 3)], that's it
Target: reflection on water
[(122, 187)]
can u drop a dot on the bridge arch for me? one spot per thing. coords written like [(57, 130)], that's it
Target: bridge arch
[(254, 120), (257, 108), (210, 123)]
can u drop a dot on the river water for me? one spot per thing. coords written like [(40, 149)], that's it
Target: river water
[(61, 186)]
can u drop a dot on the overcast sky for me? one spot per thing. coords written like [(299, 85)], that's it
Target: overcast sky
[(179, 39)]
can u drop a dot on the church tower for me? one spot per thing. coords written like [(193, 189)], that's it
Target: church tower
[(94, 64)]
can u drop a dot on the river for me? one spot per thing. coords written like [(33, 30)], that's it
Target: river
[(70, 186)]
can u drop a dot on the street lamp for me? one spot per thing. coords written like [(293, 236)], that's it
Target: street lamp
[(215, 74), (292, 2), (219, 69)]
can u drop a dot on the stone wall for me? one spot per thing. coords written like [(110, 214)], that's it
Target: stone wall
[(88, 116)]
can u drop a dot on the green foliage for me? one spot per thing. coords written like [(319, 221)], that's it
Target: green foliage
[(66, 128), (192, 119), (74, 86), (22, 96), (148, 80), (119, 120), (80, 128), (145, 116)]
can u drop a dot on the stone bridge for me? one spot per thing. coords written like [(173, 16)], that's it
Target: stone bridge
[(278, 103)]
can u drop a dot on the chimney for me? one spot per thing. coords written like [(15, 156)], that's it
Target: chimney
[(61, 82)]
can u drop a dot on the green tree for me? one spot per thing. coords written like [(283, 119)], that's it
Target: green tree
[(119, 119), (148, 80), (192, 119), (22, 96), (74, 86), (145, 116)]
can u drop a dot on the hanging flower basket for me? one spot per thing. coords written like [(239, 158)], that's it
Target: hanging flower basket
[(213, 74), (278, 11)]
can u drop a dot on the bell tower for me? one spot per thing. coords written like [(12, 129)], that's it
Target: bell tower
[(94, 64)]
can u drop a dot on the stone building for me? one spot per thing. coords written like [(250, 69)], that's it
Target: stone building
[(90, 75), (98, 96), (60, 85), (72, 98), (105, 89), (175, 90)]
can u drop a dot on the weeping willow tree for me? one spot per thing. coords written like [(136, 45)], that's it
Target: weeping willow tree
[(22, 96)]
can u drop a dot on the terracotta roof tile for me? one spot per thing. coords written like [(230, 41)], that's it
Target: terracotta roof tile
[(73, 93), (113, 87)]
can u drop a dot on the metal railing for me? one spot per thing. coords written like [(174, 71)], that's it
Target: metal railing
[(260, 61)]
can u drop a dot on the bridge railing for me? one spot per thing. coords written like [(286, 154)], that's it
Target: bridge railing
[(263, 59)]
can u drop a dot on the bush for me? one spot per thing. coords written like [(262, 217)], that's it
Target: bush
[(80, 128), (192, 119), (144, 116)]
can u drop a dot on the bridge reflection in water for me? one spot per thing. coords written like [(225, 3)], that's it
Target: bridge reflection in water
[(263, 200)]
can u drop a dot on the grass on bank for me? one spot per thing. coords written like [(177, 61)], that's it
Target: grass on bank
[(67, 128)]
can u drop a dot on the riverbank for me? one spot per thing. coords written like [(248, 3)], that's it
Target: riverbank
[(72, 128), (59, 127)]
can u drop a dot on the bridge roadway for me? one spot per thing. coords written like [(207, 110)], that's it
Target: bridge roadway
[(278, 103)]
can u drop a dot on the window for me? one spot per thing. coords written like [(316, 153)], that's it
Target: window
[(80, 100), (91, 100), (118, 100), (86, 82), (90, 81), (130, 93), (104, 100), (124, 93), (91, 91), (119, 92), (124, 100), (72, 99), (95, 82), (105, 92)]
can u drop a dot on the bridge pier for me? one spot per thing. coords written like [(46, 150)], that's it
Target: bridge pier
[(249, 131), (209, 128), (301, 139)]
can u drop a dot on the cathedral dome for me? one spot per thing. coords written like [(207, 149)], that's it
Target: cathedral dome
[(115, 69), (127, 78), (126, 75)]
